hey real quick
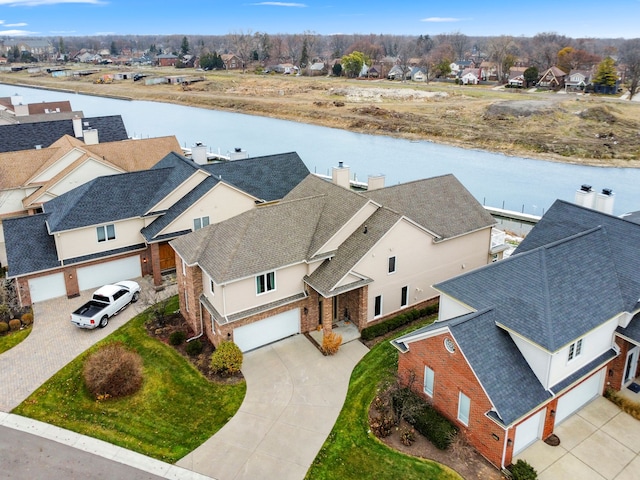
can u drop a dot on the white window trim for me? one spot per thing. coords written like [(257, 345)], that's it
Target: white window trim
[(202, 225), (381, 306), (468, 412), (211, 287), (106, 234), (406, 304), (429, 380), (266, 289), (575, 350), (395, 265)]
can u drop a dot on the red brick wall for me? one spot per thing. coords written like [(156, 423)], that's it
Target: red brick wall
[(452, 375), (191, 283)]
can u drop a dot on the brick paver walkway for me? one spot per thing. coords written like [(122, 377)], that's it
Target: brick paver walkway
[(55, 341)]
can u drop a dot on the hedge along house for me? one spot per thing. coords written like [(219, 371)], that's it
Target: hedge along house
[(522, 344), (325, 254), (117, 227)]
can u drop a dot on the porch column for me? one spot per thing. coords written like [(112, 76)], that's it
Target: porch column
[(155, 264), (327, 316)]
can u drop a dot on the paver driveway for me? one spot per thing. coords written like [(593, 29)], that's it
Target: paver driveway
[(598, 442), (294, 395), (54, 342)]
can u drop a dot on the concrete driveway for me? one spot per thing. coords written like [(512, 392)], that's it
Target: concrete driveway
[(598, 442), (54, 342), (294, 395)]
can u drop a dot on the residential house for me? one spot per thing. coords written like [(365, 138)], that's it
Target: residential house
[(317, 68), (552, 79), (116, 227), (167, 60), (396, 73), (375, 71), (417, 74), (516, 82), (577, 80), (13, 110), (470, 77), (231, 61), (326, 254), (92, 130), (522, 344), (488, 71)]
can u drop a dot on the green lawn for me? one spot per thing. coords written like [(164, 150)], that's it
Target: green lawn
[(12, 339), (350, 452), (176, 410)]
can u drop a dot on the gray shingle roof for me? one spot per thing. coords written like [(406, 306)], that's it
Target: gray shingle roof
[(25, 136), (441, 205), (545, 294), (29, 246)]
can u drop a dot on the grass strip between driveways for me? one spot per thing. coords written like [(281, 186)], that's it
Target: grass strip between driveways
[(174, 412), (11, 340), (351, 452)]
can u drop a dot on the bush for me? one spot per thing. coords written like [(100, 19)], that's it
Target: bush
[(382, 426), (176, 338), (194, 348), (5, 311), (27, 318), (227, 359), (113, 371), (331, 343), (4, 327), (521, 470), (435, 427), (15, 324), (398, 321)]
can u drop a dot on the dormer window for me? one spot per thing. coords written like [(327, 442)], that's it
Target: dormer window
[(575, 349)]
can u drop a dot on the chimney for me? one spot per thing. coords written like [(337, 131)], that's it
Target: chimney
[(21, 110), (199, 153), (374, 182), (585, 196), (90, 136), (340, 175), (77, 127), (16, 100), (604, 201), (238, 154)]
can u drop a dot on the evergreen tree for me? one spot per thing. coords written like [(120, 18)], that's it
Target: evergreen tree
[(304, 57), (606, 74), (184, 47)]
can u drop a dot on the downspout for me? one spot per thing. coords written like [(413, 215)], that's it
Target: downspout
[(201, 326), (504, 448)]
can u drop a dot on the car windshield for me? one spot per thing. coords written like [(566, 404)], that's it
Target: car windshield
[(101, 298)]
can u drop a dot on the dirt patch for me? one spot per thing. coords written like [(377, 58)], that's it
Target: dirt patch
[(521, 108), (202, 362)]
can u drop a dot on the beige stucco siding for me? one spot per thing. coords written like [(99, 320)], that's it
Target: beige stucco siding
[(221, 203), (420, 263), (348, 228), (80, 175), (241, 295), (58, 166), (186, 186), (11, 200), (84, 241)]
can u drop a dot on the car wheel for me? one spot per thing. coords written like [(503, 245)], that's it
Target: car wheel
[(135, 297), (104, 322)]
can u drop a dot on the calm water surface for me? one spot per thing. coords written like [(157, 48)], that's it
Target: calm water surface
[(514, 183)]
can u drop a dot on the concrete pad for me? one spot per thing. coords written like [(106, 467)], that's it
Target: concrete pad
[(569, 467), (319, 395), (599, 411), (316, 419), (141, 462), (625, 429), (222, 462), (574, 431), (95, 446), (540, 455), (603, 454), (292, 444), (245, 430), (630, 472), (265, 466)]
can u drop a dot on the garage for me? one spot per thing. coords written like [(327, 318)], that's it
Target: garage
[(49, 286), (263, 332), (109, 272), (528, 432), (579, 396)]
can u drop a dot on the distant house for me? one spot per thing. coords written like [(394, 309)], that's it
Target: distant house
[(577, 80), (395, 73), (231, 61), (167, 60), (470, 77), (516, 82), (417, 74), (375, 71), (552, 79)]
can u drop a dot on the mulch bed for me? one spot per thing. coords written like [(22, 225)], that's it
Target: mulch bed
[(176, 323)]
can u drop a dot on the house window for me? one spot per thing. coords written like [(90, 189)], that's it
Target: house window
[(377, 309), (392, 264), (211, 287), (404, 296), (428, 381), (106, 232), (464, 405), (265, 282), (198, 223), (575, 349)]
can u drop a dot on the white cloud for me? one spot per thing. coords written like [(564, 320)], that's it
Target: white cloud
[(36, 3), (441, 19), (22, 24), (17, 33), (279, 4)]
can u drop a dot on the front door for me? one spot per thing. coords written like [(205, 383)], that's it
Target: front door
[(167, 257), (631, 365)]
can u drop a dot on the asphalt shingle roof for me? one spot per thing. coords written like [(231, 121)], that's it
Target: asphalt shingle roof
[(25, 136), (29, 246)]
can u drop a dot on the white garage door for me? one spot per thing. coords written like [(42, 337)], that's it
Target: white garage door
[(268, 330), (109, 272), (579, 396), (528, 432), (44, 288)]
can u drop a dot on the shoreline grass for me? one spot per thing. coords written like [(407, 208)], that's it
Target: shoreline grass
[(9, 341)]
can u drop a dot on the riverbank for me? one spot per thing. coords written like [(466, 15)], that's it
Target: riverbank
[(587, 130)]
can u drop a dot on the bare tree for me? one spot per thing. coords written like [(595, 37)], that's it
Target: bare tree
[(339, 44), (293, 45), (630, 56), (546, 47), (502, 50), (243, 44), (459, 42)]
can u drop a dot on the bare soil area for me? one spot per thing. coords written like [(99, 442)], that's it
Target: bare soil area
[(586, 129)]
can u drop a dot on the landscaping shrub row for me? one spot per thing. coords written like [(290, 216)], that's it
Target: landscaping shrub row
[(369, 333), (16, 324), (431, 424)]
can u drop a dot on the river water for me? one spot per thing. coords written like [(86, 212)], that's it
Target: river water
[(514, 183)]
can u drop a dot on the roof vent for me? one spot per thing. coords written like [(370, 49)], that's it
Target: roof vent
[(340, 164), (585, 188), (238, 149), (607, 191)]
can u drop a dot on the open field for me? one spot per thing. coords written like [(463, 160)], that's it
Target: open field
[(587, 129)]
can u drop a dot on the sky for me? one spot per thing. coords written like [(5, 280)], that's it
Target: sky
[(584, 19)]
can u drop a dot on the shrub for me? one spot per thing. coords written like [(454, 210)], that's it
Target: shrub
[(331, 343), (398, 321), (435, 427), (382, 425), (4, 327), (227, 359), (194, 348), (407, 436), (176, 338), (5, 311), (15, 324), (113, 371), (521, 470), (27, 318)]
